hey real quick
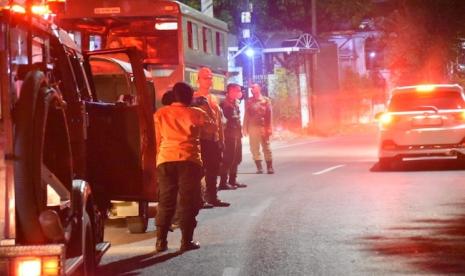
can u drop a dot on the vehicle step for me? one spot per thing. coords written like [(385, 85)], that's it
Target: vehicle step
[(100, 249), (72, 264)]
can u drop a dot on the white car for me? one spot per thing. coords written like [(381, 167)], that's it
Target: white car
[(422, 121)]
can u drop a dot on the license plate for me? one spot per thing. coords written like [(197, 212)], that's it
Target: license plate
[(427, 121)]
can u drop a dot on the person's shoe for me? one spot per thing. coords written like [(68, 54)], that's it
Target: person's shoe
[(219, 203), (238, 185), (191, 245), (207, 205), (161, 245), (226, 187), (269, 167)]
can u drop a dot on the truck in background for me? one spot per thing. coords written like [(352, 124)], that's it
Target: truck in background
[(64, 153)]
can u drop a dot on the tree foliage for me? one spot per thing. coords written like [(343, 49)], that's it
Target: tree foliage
[(421, 38), (291, 14)]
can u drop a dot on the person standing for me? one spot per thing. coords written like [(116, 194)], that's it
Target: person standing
[(211, 142), (232, 153), (257, 124), (179, 166)]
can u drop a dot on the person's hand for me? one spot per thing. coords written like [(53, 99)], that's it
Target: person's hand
[(220, 145), (199, 101), (244, 132)]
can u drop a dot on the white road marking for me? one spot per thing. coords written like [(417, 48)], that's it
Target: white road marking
[(328, 170), (262, 207), (231, 271)]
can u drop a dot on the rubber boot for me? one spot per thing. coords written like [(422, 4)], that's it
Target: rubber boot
[(269, 167), (162, 243), (186, 242), (258, 163)]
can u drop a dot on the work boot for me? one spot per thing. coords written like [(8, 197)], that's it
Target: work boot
[(223, 185), (186, 241), (269, 167), (162, 243), (233, 182), (218, 203), (258, 163)]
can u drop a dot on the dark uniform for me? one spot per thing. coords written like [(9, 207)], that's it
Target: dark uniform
[(232, 152)]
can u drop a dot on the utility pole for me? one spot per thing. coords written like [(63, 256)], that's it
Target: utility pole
[(246, 35), (313, 68)]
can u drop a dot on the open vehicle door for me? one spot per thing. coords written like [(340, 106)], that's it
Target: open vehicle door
[(121, 138)]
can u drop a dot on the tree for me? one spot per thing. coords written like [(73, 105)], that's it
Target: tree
[(421, 38), (291, 14)]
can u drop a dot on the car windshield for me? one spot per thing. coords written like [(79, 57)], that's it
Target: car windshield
[(416, 101)]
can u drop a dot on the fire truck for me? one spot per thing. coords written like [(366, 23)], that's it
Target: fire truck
[(76, 132)]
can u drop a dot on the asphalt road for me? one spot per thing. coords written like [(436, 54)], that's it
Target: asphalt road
[(328, 210)]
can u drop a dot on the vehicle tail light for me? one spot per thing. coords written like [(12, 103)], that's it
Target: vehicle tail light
[(385, 119), (425, 88), (40, 10), (37, 266), (460, 116), (50, 266), (388, 145), (16, 8), (28, 267)]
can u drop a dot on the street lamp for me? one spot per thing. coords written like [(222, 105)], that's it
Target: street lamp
[(250, 52)]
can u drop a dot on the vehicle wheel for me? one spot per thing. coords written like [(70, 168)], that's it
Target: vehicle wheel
[(385, 163), (139, 224), (89, 248), (41, 141)]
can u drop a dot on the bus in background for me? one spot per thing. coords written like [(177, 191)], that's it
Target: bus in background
[(174, 39)]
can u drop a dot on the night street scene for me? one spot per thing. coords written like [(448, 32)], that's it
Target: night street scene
[(232, 137)]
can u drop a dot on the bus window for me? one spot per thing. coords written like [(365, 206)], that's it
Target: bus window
[(192, 35), (220, 44), (156, 46), (95, 42), (207, 40)]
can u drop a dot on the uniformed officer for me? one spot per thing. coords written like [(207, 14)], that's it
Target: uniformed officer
[(211, 142), (179, 165), (232, 152), (257, 124)]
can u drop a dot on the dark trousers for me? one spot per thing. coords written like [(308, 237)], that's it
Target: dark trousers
[(178, 178), (211, 157), (232, 157)]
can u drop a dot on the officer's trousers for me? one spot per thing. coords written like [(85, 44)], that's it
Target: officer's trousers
[(258, 138), (178, 178), (211, 158), (232, 157)]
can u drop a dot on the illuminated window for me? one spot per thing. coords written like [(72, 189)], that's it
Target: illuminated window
[(207, 40), (192, 35)]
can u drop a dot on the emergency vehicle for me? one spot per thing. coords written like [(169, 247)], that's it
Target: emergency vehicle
[(65, 151)]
